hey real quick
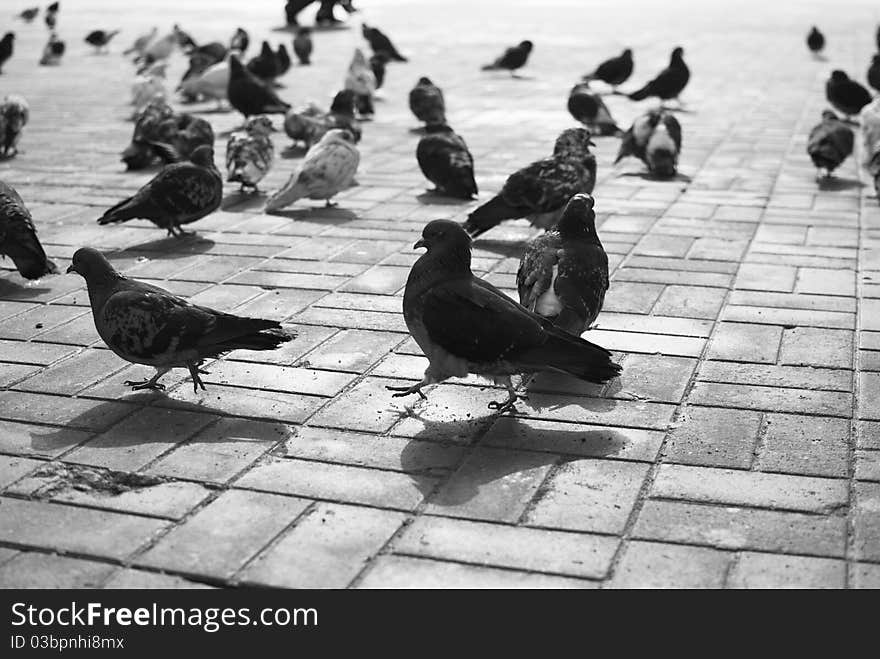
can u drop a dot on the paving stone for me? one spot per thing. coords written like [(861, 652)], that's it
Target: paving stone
[(141, 579), (326, 549), (744, 488), (754, 570), (67, 528), (690, 301), (236, 526), (742, 528), (34, 570), (412, 572), (804, 445), (808, 346), (832, 403), (480, 543), (746, 342), (661, 565), (714, 437), (866, 515)]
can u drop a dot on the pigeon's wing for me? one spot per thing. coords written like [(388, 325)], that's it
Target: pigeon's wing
[(508, 59), (543, 186), (535, 274), (235, 148), (148, 323), (581, 283), (180, 189), (473, 320)]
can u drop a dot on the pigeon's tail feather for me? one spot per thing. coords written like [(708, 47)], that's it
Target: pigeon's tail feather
[(641, 94), (286, 196), (573, 355), (125, 210), (490, 214), (490, 67), (266, 338)]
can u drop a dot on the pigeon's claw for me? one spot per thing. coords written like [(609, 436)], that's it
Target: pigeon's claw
[(406, 391), (145, 384), (194, 371), (504, 406)]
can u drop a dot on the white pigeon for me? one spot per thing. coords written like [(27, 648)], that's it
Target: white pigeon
[(210, 84), (148, 86), (141, 42), (328, 168), (869, 118)]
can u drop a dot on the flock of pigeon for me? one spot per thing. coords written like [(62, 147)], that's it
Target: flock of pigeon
[(462, 323), (831, 141)]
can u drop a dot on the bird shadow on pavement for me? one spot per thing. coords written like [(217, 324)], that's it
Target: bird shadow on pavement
[(510, 249), (238, 202), (168, 247), (433, 198), (836, 184), (294, 151), (648, 176), (12, 290), (333, 215)]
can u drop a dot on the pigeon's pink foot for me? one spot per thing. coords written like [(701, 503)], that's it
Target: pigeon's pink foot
[(406, 391)]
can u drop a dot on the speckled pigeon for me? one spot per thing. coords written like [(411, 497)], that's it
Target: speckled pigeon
[(179, 194), (464, 324), (539, 191), (145, 324), (563, 273), (830, 142)]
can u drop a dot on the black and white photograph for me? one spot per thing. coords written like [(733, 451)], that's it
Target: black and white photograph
[(431, 294)]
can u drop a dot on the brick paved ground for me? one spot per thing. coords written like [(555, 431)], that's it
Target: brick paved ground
[(741, 446)]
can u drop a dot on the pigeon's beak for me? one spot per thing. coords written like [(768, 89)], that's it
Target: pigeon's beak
[(420, 243), (591, 143), (72, 268)]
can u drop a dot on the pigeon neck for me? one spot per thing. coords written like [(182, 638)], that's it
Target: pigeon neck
[(101, 286), (441, 264)]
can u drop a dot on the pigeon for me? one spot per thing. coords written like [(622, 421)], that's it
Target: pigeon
[(302, 45), (14, 115), (847, 96), (614, 71), (563, 273), (463, 324), (815, 40), (513, 58), (162, 134), (328, 168), (446, 161), (7, 44), (377, 66), (211, 84), (18, 237), (147, 87), (264, 65), (362, 82), (669, 83), (539, 191), (239, 41), (51, 15), (379, 43), (830, 142), (869, 119), (179, 194), (145, 324), (199, 62), (874, 73), (184, 39), (655, 139), (52, 51), (325, 16), (140, 44), (310, 124), (250, 95), (211, 52), (29, 15), (249, 153), (426, 102), (100, 39), (140, 153), (589, 109), (158, 49)]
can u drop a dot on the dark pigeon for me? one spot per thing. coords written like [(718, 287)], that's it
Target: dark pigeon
[(513, 58), (250, 95), (446, 161), (847, 96), (540, 191), (874, 73), (464, 324), (815, 40), (830, 142), (669, 83), (18, 237), (614, 71), (588, 108), (426, 102), (7, 47), (302, 45), (381, 43), (100, 39), (377, 65)]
